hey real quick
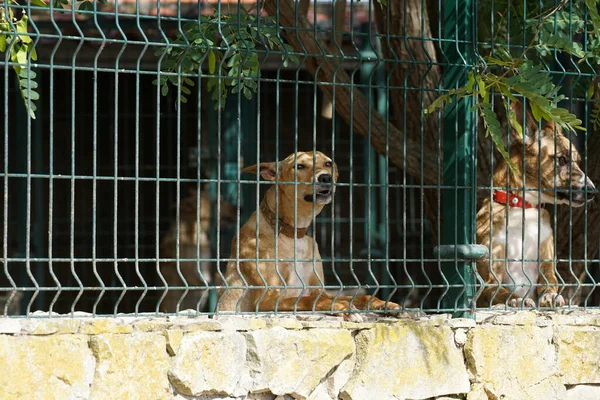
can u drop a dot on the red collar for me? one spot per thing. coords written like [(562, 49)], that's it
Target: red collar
[(512, 200)]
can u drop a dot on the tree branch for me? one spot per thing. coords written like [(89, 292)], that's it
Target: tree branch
[(349, 100)]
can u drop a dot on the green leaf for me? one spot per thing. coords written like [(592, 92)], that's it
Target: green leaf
[(33, 54), (536, 111), (22, 55), (492, 126), (168, 64), (590, 91), (31, 94), (471, 82), (39, 3), (212, 61), (27, 74), (22, 28), (516, 124), (86, 6), (437, 103), (247, 93), (482, 89), (2, 43), (164, 90)]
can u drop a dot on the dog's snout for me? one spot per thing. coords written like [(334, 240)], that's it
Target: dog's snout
[(591, 190), (324, 178)]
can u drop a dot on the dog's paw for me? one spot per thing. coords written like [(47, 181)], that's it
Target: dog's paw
[(548, 300), (377, 304), (526, 302), (353, 317)]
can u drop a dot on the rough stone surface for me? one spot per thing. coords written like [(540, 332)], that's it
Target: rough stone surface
[(514, 362), (132, 366), (53, 367), (210, 363), (10, 325), (583, 392), (407, 361), (295, 362), (501, 355), (331, 386), (104, 325), (578, 353)]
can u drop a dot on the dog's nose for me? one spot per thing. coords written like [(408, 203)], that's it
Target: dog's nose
[(324, 178)]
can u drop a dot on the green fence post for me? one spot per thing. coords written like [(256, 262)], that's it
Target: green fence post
[(458, 195)]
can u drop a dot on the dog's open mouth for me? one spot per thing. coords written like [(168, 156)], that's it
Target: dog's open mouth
[(578, 198), (323, 193)]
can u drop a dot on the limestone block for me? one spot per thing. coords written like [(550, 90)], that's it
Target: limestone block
[(41, 326), (210, 363), (583, 392), (232, 323), (132, 366), (514, 362), (10, 325), (98, 326), (578, 354), (415, 361), (330, 388), (173, 340), (295, 362), (45, 367)]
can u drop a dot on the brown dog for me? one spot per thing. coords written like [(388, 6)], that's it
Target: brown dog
[(517, 231), (257, 282), (194, 243)]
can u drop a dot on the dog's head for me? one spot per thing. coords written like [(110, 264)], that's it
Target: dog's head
[(550, 158), (320, 170)]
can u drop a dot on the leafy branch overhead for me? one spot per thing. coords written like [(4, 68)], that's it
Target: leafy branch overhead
[(227, 45), (509, 74), (18, 45)]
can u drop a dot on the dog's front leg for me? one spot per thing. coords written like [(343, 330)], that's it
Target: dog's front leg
[(368, 303), (547, 289), (547, 282), (493, 293), (274, 301)]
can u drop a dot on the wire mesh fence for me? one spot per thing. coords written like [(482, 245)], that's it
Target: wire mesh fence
[(129, 127)]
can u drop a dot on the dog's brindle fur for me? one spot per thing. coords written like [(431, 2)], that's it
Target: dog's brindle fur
[(266, 274), (541, 154), (194, 242)]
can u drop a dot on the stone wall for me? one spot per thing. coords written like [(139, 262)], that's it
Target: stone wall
[(519, 355)]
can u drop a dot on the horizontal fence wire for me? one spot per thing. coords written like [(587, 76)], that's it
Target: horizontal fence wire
[(129, 129)]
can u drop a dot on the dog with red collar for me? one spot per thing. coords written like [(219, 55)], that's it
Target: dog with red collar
[(520, 268)]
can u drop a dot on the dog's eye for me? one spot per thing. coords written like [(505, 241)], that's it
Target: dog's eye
[(328, 164), (562, 161), (300, 166)]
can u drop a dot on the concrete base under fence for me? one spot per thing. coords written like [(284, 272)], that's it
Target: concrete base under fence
[(502, 355)]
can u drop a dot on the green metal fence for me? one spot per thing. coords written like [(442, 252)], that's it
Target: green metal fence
[(125, 191)]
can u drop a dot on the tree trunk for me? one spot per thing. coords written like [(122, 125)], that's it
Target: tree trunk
[(408, 21)]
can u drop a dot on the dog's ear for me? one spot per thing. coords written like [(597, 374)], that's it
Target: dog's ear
[(551, 127), (524, 130), (267, 170)]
